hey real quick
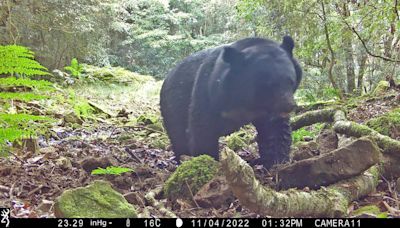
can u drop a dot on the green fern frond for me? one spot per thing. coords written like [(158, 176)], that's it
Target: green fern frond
[(26, 82), (75, 68), (16, 59), (12, 134), (21, 96), (13, 120)]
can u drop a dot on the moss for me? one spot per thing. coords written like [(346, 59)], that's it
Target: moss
[(193, 173), (115, 74), (97, 200), (387, 123), (369, 209), (240, 139), (381, 88)]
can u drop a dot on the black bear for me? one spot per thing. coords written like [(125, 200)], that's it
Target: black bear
[(216, 91)]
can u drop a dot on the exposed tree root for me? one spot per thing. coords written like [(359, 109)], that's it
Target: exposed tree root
[(331, 201), (312, 117), (327, 201)]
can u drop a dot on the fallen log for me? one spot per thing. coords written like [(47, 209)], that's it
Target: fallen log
[(329, 168), (326, 202), (331, 201), (349, 128), (312, 117)]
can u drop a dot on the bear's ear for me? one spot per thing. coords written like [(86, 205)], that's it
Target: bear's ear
[(232, 56), (288, 45)]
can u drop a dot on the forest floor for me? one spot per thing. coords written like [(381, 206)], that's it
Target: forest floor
[(31, 182)]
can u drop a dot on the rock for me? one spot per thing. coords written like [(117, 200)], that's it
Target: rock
[(91, 163), (304, 150), (327, 141), (308, 138), (97, 200), (330, 167), (398, 185), (134, 198), (190, 176), (64, 163), (72, 118), (345, 140), (381, 88), (215, 193), (122, 182)]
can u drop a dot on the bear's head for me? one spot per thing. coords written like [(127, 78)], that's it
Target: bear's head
[(255, 79)]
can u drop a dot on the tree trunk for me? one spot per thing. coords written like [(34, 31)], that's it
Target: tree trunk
[(361, 71), (348, 49), (333, 59)]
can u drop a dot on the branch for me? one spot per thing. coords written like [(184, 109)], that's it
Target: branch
[(331, 201), (326, 202), (365, 45)]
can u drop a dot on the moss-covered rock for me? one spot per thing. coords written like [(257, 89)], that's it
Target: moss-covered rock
[(381, 88), (98, 200), (115, 74), (387, 124), (193, 173)]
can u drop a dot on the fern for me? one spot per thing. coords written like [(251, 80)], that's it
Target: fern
[(16, 126), (11, 134), (26, 82), (75, 68), (20, 119), (21, 96), (16, 59)]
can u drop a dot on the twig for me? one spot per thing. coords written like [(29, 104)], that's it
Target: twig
[(16, 156), (4, 188), (35, 190), (191, 194), (11, 190)]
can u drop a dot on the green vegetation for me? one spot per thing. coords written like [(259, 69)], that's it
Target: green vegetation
[(17, 126), (21, 96), (370, 209), (190, 176), (386, 124), (111, 170), (97, 200), (19, 60), (240, 139), (39, 85), (312, 132), (75, 68)]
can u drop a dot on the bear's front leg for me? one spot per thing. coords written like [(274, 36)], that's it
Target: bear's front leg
[(203, 139), (274, 140)]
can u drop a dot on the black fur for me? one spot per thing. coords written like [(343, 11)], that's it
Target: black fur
[(216, 91)]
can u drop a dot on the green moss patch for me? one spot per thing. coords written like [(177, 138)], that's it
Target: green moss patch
[(387, 124), (98, 200), (191, 174)]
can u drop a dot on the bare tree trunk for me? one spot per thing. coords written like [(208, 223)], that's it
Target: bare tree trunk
[(348, 49), (333, 59), (361, 72)]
